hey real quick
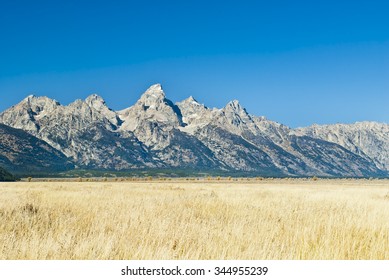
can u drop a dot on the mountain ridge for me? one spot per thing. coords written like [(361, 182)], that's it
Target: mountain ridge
[(157, 133)]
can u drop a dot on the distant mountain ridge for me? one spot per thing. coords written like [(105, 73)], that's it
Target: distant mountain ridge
[(156, 133)]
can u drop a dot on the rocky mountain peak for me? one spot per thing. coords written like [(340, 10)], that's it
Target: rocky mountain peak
[(236, 107), (153, 105), (194, 114), (40, 101), (155, 87), (152, 117), (24, 114), (30, 97), (235, 118), (152, 96), (191, 100), (94, 98), (95, 101), (32, 100), (234, 103)]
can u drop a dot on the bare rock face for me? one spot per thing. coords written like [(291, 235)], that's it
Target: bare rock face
[(79, 131), (97, 104), (194, 114), (369, 140), (235, 153), (157, 122), (153, 107), (281, 150), (156, 133), (152, 118), (21, 152), (235, 118), (28, 112)]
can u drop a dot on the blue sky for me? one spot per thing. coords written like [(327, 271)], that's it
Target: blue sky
[(296, 62)]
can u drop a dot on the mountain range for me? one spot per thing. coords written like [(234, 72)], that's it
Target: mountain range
[(39, 134)]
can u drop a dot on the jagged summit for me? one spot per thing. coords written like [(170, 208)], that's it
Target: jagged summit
[(151, 116), (235, 106), (152, 101), (26, 113), (152, 95), (234, 110), (156, 87), (96, 101), (234, 103), (190, 100), (235, 117), (194, 114), (29, 97), (33, 99), (94, 98)]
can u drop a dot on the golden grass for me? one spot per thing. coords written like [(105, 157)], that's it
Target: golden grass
[(267, 219)]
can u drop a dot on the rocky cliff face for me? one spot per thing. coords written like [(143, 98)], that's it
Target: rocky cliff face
[(152, 118), (285, 152), (156, 133)]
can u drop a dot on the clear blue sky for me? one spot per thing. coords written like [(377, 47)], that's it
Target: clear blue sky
[(296, 62)]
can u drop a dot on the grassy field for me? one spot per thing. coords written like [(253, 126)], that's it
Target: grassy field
[(267, 219)]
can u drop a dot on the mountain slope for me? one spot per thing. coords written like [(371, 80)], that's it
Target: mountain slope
[(6, 176), (285, 152), (369, 140), (21, 152), (325, 158), (235, 153)]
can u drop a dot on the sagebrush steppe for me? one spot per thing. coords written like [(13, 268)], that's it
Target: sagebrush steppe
[(267, 219)]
